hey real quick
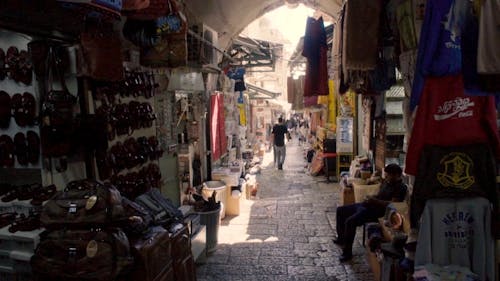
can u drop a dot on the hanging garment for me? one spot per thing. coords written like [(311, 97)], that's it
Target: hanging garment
[(314, 50), (457, 231), (439, 49), (405, 22), (454, 172), (310, 101), (217, 126), (361, 32), (407, 61), (447, 117), (488, 60), (470, 32), (290, 89), (488, 56)]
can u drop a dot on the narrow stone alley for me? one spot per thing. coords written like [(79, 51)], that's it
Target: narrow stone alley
[(286, 232)]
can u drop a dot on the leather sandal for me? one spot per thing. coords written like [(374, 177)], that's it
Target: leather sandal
[(2, 64), (4, 188), (23, 223), (7, 151), (10, 195), (18, 109), (5, 110), (21, 149), (27, 191), (11, 62), (33, 147), (29, 106), (24, 68), (43, 194), (7, 218)]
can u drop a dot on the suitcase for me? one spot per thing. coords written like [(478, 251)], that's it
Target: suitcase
[(153, 259)]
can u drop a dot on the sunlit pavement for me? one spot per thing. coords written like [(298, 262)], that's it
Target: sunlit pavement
[(286, 232)]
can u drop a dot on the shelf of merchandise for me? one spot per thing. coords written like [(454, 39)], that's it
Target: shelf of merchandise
[(343, 162)]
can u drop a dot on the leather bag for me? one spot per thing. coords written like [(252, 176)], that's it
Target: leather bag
[(102, 56), (139, 218), (161, 208), (57, 112), (82, 255), (152, 254), (82, 204)]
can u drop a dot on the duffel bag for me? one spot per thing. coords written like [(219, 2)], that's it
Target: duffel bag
[(163, 211), (82, 255), (84, 204), (139, 219)]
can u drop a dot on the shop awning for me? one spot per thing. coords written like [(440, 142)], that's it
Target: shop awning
[(255, 92)]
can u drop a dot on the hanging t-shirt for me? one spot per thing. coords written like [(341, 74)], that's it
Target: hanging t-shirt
[(454, 172), (439, 51), (445, 116)]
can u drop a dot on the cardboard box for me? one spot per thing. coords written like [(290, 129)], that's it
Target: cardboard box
[(361, 191), (346, 196)]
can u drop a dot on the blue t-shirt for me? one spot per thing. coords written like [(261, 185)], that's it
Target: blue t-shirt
[(439, 50)]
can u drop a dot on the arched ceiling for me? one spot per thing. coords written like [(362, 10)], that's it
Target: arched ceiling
[(230, 17)]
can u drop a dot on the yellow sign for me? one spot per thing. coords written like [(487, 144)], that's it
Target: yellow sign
[(457, 171)]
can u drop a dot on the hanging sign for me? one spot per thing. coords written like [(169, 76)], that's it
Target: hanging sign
[(345, 134)]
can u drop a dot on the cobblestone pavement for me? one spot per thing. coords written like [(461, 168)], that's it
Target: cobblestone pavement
[(286, 232)]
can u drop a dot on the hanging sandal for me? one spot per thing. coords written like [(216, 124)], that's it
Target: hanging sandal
[(5, 110), (21, 149), (7, 151)]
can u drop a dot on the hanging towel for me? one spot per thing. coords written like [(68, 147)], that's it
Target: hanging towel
[(361, 32)]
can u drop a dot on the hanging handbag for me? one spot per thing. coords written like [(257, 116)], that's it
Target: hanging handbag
[(57, 113), (102, 56)]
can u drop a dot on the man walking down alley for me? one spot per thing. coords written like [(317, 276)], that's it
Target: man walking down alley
[(286, 232), (278, 140)]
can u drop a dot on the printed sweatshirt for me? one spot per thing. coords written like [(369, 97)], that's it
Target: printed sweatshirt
[(457, 231)]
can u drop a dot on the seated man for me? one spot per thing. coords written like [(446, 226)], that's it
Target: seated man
[(351, 216)]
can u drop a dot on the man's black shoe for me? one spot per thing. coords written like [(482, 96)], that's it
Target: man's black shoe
[(345, 257), (338, 241), (280, 167)]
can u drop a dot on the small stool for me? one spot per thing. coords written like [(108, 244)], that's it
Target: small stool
[(327, 157)]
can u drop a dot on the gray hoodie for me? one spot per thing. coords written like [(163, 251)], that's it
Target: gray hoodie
[(457, 231)]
